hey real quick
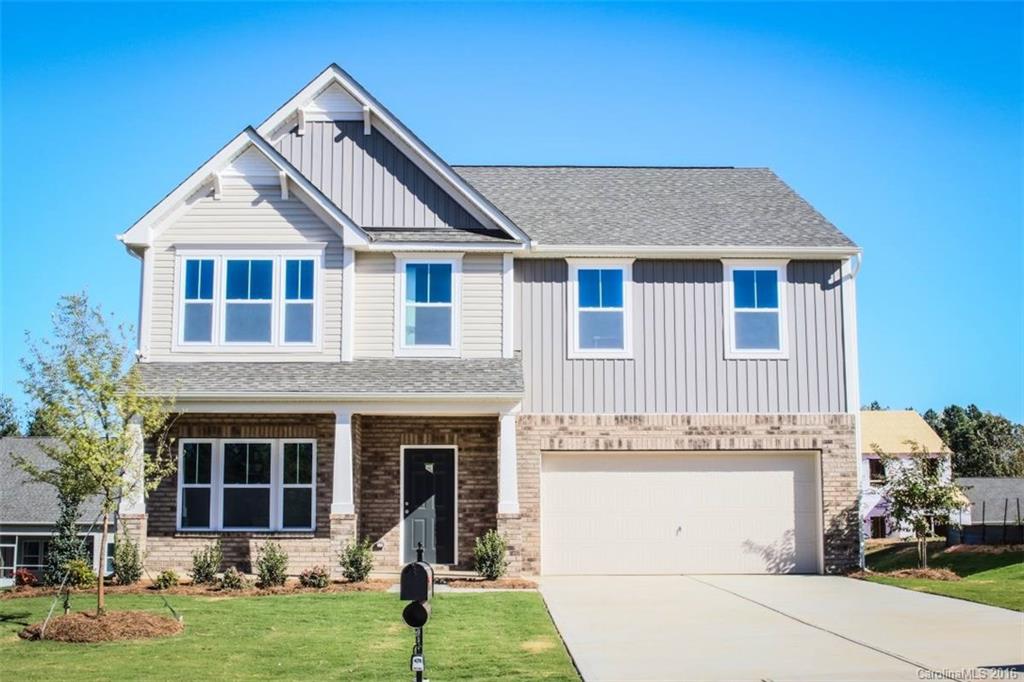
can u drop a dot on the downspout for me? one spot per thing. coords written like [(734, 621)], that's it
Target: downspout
[(850, 270)]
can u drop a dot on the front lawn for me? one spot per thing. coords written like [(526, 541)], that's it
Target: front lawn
[(995, 578), (310, 636)]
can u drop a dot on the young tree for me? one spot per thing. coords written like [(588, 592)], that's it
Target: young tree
[(65, 545), (8, 417), (90, 395), (916, 493)]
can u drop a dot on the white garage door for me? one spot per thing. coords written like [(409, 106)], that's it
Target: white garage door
[(666, 513)]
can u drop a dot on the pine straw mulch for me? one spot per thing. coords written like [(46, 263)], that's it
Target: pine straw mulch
[(983, 549), (927, 573), (291, 587), (484, 584), (110, 627)]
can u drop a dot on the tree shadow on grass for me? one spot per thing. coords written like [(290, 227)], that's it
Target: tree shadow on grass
[(16, 617)]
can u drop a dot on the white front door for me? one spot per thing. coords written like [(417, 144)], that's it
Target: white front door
[(680, 512)]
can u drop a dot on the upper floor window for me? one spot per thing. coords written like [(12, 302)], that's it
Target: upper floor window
[(601, 320), (197, 325), (755, 309), (428, 306), (876, 471), (227, 301)]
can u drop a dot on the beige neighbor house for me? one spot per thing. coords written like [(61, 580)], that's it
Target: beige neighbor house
[(894, 432), (624, 370)]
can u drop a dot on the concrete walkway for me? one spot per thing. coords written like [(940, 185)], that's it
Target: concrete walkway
[(776, 628)]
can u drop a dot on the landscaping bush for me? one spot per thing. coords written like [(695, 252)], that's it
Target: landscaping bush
[(357, 560), (317, 577), (25, 578), (233, 579), (166, 580), (206, 563), (490, 555), (79, 574), (127, 562), (271, 565)]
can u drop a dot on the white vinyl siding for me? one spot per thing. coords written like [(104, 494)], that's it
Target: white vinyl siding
[(481, 317), (244, 216)]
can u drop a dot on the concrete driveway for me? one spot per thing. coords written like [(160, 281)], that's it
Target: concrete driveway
[(777, 628)]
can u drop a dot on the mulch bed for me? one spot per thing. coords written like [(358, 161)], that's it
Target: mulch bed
[(110, 627), (926, 573), (483, 584), (983, 549), (291, 587)]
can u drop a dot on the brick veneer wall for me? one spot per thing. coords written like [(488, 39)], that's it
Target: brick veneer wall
[(381, 438), (166, 547), (833, 435)]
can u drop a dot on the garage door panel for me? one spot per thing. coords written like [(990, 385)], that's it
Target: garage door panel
[(650, 513)]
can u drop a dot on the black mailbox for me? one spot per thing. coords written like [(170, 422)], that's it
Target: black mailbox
[(417, 582)]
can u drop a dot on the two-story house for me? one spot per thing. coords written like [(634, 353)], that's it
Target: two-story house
[(624, 370)]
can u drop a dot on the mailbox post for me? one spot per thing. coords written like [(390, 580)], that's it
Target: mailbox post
[(417, 587)]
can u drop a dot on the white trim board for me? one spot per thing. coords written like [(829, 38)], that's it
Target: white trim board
[(398, 134)]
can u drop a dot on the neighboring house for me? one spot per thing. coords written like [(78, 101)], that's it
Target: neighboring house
[(29, 511), (892, 431), (993, 500), (624, 370)]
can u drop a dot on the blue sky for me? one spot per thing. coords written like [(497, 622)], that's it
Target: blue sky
[(902, 123)]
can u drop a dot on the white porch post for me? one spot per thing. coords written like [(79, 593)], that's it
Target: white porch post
[(508, 476), (342, 500), (133, 496)]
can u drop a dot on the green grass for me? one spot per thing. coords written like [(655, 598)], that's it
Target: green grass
[(994, 579), (330, 636)]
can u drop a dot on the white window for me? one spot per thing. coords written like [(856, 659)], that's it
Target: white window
[(247, 484), (601, 324), (427, 301), (755, 309), (248, 301)]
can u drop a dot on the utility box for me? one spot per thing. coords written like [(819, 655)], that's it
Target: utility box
[(417, 583)]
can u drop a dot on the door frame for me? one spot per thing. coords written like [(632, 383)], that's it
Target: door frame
[(401, 498)]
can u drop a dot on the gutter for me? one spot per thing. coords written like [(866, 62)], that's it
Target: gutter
[(490, 397)]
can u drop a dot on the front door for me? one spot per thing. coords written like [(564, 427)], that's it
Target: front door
[(428, 504)]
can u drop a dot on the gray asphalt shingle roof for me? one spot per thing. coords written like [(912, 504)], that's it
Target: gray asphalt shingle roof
[(365, 376), (24, 500), (437, 234), (640, 206)]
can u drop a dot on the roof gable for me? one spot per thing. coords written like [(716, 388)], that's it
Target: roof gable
[(327, 90), (250, 158)]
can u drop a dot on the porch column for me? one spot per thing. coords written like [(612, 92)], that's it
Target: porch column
[(342, 499), (133, 496), (508, 477)]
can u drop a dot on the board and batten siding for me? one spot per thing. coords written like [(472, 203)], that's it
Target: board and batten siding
[(375, 305), (679, 363), (369, 178), (244, 215)]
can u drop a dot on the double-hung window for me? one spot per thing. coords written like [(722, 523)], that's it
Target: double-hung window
[(249, 307), (196, 484), (755, 309), (230, 300), (601, 324), (428, 306), (197, 325), (247, 484), (298, 300)]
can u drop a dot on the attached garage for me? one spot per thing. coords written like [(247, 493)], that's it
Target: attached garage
[(655, 513)]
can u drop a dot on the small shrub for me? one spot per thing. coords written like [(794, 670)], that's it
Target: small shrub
[(79, 574), (490, 555), (233, 579), (206, 562), (317, 577), (166, 580), (271, 565), (25, 578), (357, 560), (127, 562)]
